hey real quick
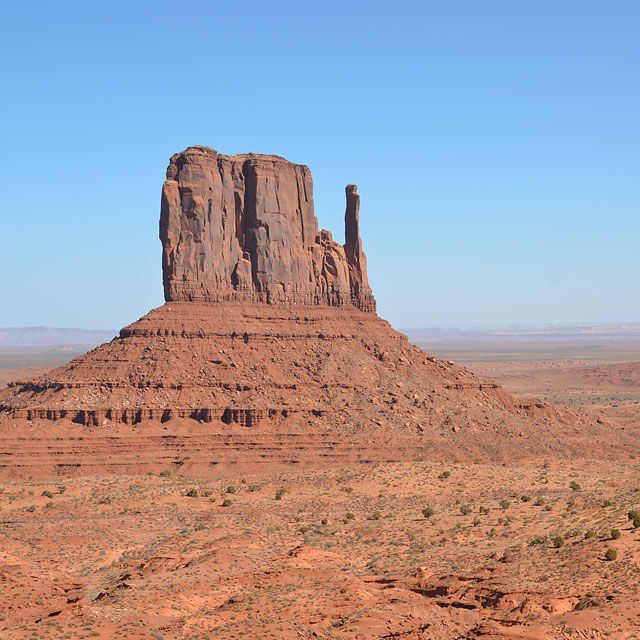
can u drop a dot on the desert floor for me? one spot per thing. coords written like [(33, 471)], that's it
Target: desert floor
[(421, 549)]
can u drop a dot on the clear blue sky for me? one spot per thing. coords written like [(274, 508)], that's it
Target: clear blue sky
[(496, 145)]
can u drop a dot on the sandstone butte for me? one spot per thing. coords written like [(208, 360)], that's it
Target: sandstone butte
[(268, 350)]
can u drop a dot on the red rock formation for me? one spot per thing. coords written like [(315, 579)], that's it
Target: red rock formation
[(269, 328), (243, 228)]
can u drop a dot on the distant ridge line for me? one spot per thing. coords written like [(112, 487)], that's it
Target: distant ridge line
[(48, 336)]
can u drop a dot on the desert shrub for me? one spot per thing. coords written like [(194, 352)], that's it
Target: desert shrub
[(571, 503), (350, 516), (244, 481), (483, 509), (590, 534), (280, 493), (376, 515), (611, 554), (231, 489), (192, 493), (47, 493), (538, 539), (476, 521), (505, 504), (200, 527), (227, 502), (49, 505), (428, 512), (633, 514), (105, 500), (254, 487), (558, 541), (324, 522), (607, 503), (615, 533), (636, 522), (304, 529), (166, 473), (61, 489), (31, 508), (574, 486), (547, 507), (445, 474), (465, 509), (539, 502), (492, 532), (525, 498)]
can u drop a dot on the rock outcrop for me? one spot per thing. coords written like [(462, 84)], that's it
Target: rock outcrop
[(243, 228), (269, 329)]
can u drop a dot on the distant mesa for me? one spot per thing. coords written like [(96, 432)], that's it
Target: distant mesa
[(243, 228)]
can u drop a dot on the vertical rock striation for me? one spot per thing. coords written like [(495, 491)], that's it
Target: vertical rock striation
[(243, 228)]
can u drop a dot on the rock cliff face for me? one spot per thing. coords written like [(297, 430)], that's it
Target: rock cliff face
[(243, 228)]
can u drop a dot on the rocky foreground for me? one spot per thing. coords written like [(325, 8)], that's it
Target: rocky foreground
[(398, 550)]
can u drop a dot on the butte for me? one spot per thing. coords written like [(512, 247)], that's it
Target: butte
[(268, 350)]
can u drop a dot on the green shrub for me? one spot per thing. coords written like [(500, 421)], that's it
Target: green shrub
[(350, 516), (525, 498), (49, 505), (465, 509), (539, 502), (476, 521), (192, 493), (538, 539), (547, 507), (611, 554), (324, 522), (633, 514), (166, 473), (227, 502), (61, 489), (590, 534), (574, 486), (445, 474), (376, 515), (304, 529), (505, 504), (428, 512), (615, 533), (636, 522), (200, 527), (31, 508), (607, 503), (231, 489), (47, 493), (558, 542)]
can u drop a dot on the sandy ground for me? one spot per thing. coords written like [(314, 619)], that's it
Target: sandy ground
[(420, 549)]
